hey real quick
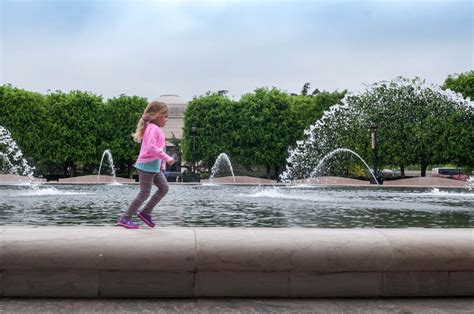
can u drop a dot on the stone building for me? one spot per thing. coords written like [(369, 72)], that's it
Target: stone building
[(175, 123)]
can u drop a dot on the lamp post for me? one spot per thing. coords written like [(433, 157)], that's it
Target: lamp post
[(373, 145), (193, 133)]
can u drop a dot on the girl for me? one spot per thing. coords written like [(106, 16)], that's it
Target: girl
[(150, 163)]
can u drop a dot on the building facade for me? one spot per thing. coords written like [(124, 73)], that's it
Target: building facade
[(175, 125)]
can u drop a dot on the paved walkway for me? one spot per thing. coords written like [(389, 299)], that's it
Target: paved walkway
[(392, 305)]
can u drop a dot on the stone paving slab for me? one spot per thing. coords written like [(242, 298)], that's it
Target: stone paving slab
[(239, 305)]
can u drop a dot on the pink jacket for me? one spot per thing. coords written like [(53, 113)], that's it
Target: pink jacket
[(153, 144)]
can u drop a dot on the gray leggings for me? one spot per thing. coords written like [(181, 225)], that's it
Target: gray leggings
[(146, 181)]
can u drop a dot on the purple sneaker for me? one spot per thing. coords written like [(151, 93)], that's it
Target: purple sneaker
[(127, 223), (146, 219)]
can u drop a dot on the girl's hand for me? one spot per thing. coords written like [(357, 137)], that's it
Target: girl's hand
[(170, 162)]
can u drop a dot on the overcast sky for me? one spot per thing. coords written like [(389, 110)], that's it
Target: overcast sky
[(149, 48)]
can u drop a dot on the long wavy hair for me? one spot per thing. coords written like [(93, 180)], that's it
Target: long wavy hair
[(152, 111)]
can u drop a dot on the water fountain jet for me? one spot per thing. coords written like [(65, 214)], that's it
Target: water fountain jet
[(111, 165), (215, 168), (13, 156), (318, 167)]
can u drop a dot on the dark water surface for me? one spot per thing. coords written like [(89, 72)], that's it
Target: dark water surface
[(244, 206)]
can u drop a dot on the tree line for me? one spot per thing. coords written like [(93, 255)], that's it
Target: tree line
[(255, 131), (416, 124), (66, 133)]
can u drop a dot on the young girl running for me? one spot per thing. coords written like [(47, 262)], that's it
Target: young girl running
[(150, 163)]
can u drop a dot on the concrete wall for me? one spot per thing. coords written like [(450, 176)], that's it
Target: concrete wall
[(234, 262)]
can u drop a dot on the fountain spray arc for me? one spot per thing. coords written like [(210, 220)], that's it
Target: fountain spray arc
[(217, 164), (12, 156), (323, 160), (111, 165)]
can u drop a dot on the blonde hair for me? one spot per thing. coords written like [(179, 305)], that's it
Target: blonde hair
[(152, 111)]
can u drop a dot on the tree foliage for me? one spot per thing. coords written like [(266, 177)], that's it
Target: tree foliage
[(416, 124), (74, 131), (306, 110), (265, 128), (255, 131), (121, 115), (23, 114), (60, 131), (463, 83), (212, 117)]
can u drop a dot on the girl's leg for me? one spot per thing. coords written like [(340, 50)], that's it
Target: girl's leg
[(146, 180), (162, 185)]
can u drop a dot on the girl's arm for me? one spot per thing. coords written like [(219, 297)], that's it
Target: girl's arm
[(160, 153)]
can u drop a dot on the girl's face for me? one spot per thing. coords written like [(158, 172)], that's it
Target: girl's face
[(160, 120)]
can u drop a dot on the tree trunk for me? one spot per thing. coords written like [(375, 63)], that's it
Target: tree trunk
[(268, 171), (423, 165), (129, 170), (402, 171), (277, 171), (73, 169)]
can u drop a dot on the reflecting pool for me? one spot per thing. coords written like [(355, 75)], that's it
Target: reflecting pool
[(244, 206)]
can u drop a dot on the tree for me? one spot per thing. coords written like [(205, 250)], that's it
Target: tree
[(462, 83), (23, 114), (212, 116), (74, 129), (121, 115), (265, 129), (305, 89), (307, 110), (416, 125)]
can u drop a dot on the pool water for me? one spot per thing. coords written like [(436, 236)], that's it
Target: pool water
[(244, 206)]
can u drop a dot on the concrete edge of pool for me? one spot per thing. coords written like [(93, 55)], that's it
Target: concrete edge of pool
[(55, 261)]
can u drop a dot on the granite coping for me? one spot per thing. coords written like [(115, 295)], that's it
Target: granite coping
[(236, 249), (102, 248)]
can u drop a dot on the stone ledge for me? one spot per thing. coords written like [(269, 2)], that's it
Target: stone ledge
[(34, 283), (97, 248), (235, 262), (79, 283)]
